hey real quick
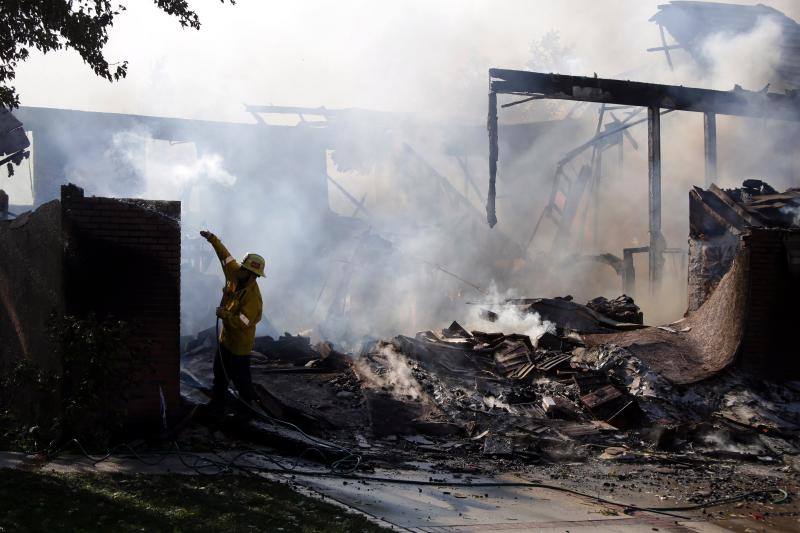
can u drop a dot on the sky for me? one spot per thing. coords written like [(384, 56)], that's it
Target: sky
[(414, 55)]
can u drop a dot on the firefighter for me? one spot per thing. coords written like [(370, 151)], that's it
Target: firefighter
[(240, 311)]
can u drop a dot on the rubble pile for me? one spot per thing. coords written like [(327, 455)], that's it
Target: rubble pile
[(455, 394), (621, 308)]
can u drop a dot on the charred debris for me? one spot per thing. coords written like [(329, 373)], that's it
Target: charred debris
[(586, 382), (456, 396)]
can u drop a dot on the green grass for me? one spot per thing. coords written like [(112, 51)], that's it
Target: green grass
[(37, 501)]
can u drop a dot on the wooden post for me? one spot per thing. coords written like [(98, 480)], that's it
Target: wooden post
[(628, 273), (666, 48), (656, 253), (3, 205), (710, 138), (491, 125), (598, 175)]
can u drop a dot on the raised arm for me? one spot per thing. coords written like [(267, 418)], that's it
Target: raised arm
[(225, 257)]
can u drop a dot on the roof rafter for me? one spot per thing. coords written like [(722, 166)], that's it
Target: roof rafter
[(737, 102)]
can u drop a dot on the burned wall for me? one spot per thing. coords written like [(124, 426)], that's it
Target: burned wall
[(31, 286), (122, 260), (716, 225), (709, 260)]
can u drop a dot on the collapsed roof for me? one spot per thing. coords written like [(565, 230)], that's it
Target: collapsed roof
[(13, 141), (692, 23), (755, 204)]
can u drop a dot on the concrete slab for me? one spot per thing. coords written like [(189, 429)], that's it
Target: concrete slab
[(413, 507), (470, 509)]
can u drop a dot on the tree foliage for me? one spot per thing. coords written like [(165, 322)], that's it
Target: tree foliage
[(82, 25)]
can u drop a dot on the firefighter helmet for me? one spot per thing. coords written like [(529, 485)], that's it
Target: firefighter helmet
[(254, 263)]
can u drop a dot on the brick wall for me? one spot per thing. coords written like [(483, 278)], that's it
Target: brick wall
[(769, 346), (31, 291), (122, 259)]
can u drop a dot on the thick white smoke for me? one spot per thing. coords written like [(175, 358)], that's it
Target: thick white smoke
[(400, 270), (430, 57), (794, 212), (394, 374), (506, 319), (158, 169), (759, 50)]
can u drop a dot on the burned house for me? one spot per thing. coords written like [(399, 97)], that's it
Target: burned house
[(289, 177), (754, 293), (566, 196)]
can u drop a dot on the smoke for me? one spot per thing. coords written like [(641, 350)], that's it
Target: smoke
[(393, 374), (418, 249), (792, 211), (721, 440), (133, 163), (759, 49), (506, 319), (748, 147), (510, 320), (493, 402)]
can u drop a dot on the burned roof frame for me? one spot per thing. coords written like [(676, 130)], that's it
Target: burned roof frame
[(655, 97), (738, 102)]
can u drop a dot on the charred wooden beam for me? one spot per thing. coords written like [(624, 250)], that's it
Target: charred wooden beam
[(737, 102), (289, 110), (710, 138), (491, 124), (629, 270), (359, 205), (573, 200), (3, 205), (725, 198), (654, 162), (665, 47)]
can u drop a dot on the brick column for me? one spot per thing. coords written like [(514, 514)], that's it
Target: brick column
[(122, 259), (769, 346)]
